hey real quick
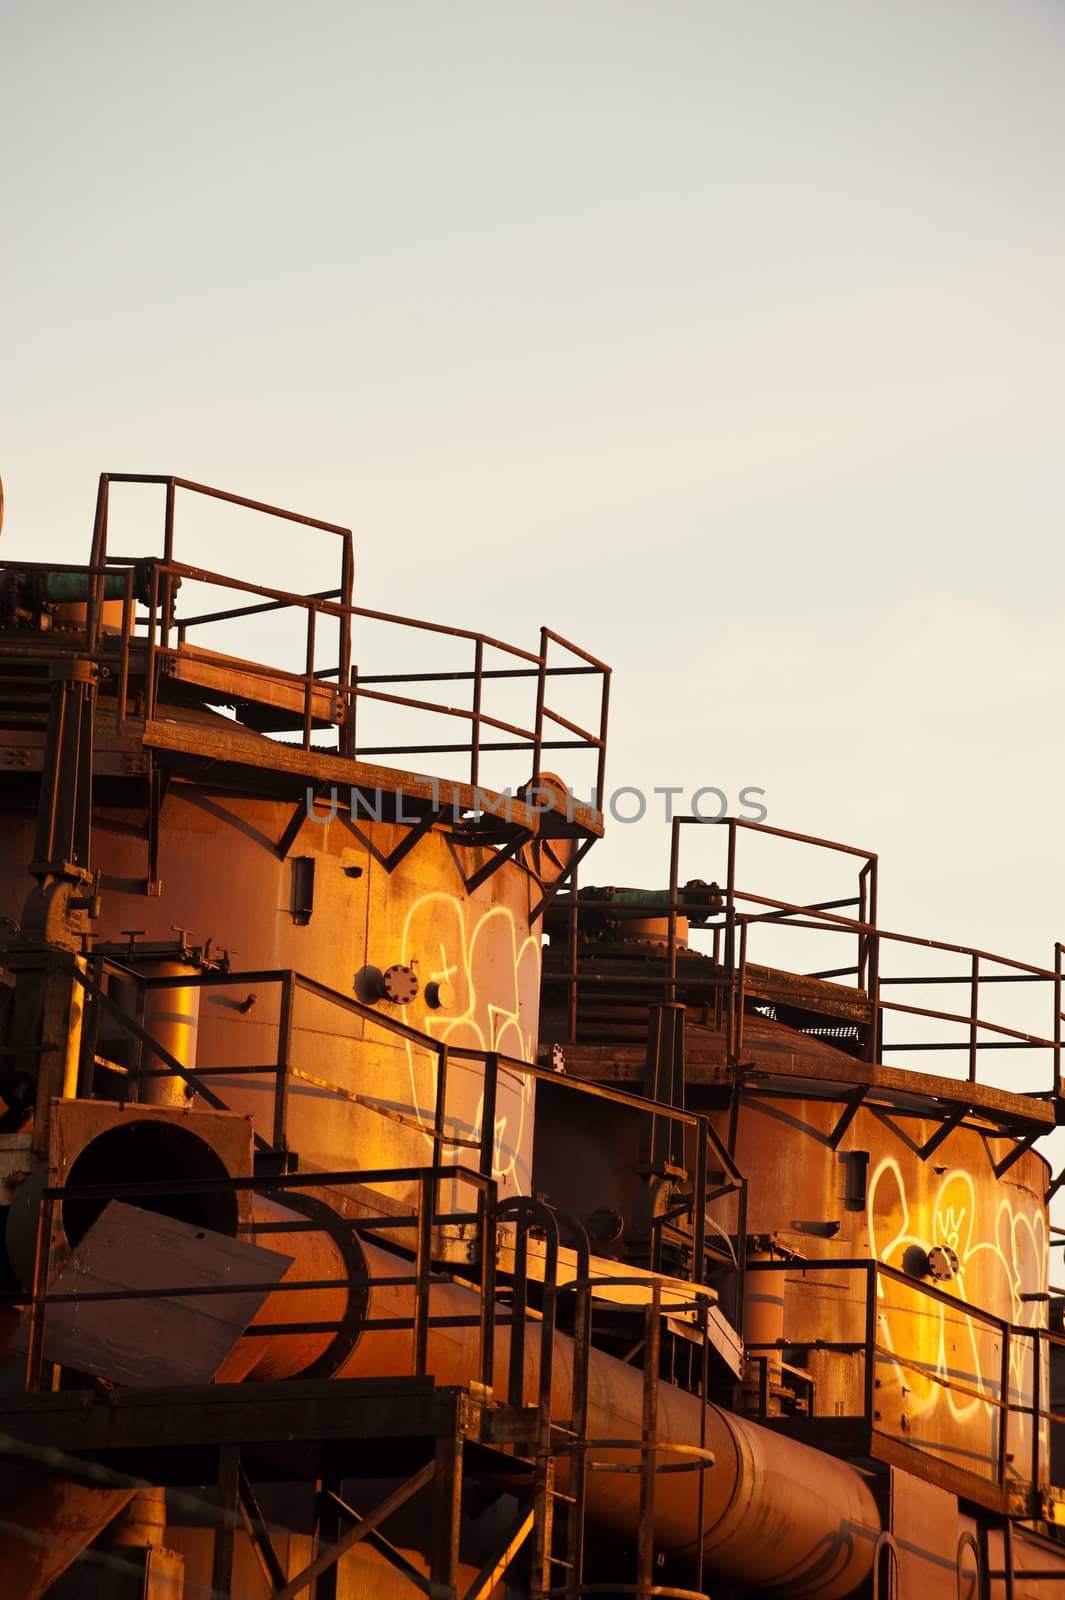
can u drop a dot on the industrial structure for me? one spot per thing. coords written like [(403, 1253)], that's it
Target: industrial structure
[(389, 1213)]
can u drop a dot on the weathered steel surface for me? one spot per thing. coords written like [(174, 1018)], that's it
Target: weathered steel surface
[(46, 1523), (773, 1511), (157, 1337)]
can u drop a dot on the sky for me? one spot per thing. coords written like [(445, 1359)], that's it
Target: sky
[(726, 339)]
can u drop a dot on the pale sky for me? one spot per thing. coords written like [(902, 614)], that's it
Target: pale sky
[(727, 338)]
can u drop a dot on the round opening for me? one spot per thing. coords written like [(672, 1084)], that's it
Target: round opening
[(142, 1151)]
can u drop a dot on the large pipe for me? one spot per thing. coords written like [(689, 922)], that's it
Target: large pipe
[(172, 1017), (775, 1513)]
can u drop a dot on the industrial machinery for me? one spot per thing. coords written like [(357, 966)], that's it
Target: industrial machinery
[(386, 1213)]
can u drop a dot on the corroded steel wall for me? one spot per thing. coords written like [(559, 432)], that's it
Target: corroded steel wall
[(222, 879), (940, 1364)]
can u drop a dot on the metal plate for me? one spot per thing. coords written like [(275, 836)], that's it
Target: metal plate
[(162, 1338)]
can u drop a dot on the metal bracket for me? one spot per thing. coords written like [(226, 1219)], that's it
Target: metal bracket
[(483, 873), (853, 1105), (405, 845)]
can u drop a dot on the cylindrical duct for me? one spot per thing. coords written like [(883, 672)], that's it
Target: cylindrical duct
[(172, 1017), (775, 1514), (763, 1327)]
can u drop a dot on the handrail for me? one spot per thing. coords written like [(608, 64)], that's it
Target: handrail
[(999, 1395), (163, 641), (164, 634), (427, 1179), (736, 923), (715, 1171)]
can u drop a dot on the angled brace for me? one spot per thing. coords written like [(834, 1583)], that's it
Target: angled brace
[(405, 845), (482, 874), (945, 1129), (567, 877), (1020, 1149), (850, 1111)]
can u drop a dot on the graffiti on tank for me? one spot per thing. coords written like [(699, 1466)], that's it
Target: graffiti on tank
[(1002, 1261), (493, 970)]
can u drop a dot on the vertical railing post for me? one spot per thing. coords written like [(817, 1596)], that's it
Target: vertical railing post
[(348, 743), (1004, 1395), (94, 609), (488, 1112), (166, 598), (284, 1061), (702, 1138), (730, 938), (150, 665), (1007, 1556), (741, 1252), (582, 1340), (645, 1556), (308, 682), (423, 1263), (574, 966), (123, 665), (604, 710), (1057, 1021), (347, 585), (874, 1042), (1037, 1421), (541, 693), (518, 1307), (704, 1385), (486, 1217), (674, 875), (869, 1386), (543, 1526), (440, 1109), (741, 990), (98, 557), (168, 522), (974, 1013), (475, 723)]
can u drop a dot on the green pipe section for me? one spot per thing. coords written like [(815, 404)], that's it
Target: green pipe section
[(70, 588)]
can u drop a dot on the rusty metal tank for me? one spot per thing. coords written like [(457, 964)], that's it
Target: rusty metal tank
[(267, 985)]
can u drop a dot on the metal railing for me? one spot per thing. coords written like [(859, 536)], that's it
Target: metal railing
[(714, 1171), (422, 1219), (997, 1425), (856, 997), (873, 969), (531, 1382), (154, 644)]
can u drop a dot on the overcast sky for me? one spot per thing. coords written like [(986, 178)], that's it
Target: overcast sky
[(727, 338)]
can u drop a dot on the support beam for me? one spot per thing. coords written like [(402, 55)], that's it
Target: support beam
[(447, 1511), (494, 1570), (327, 1558), (228, 1514)]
